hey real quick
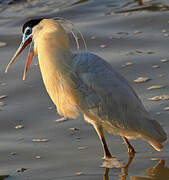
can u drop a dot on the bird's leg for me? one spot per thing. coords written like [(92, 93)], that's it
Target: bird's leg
[(131, 150), (100, 132)]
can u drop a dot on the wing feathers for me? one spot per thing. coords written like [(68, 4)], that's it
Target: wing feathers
[(106, 94)]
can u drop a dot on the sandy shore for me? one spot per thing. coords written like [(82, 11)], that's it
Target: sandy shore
[(69, 154)]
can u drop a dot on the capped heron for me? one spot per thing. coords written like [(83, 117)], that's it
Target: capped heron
[(84, 82)]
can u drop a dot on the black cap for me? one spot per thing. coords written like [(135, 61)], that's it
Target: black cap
[(30, 23)]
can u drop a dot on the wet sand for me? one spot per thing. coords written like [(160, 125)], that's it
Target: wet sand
[(139, 37)]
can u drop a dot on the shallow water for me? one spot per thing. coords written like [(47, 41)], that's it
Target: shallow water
[(120, 31)]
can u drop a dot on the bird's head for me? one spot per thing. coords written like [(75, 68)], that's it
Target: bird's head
[(32, 31), (27, 32)]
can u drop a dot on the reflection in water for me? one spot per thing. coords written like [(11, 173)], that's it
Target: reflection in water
[(106, 174), (124, 169), (140, 2), (158, 172), (114, 162)]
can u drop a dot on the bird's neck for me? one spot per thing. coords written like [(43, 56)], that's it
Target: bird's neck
[(54, 56), (56, 68)]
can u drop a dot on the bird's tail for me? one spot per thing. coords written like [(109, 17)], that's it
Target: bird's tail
[(156, 145), (154, 134)]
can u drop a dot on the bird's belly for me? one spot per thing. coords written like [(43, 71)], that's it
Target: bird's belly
[(123, 132), (65, 105), (112, 128)]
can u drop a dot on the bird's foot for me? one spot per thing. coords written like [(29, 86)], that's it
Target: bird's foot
[(107, 158), (111, 162)]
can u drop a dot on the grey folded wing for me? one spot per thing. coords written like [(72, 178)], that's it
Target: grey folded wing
[(105, 93)]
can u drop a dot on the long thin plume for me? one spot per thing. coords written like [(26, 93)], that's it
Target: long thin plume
[(75, 37), (76, 28)]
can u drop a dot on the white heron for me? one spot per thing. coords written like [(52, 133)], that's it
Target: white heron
[(84, 82)]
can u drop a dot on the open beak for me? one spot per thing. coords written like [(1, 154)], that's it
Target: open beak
[(29, 59), (22, 46)]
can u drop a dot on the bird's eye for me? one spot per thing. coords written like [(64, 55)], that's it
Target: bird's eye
[(28, 31)]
